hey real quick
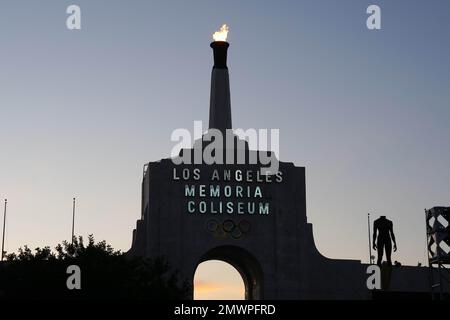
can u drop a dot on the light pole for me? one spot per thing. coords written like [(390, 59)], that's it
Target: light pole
[(370, 247), (4, 223), (73, 219)]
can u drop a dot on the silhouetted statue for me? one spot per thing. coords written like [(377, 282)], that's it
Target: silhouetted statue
[(385, 231)]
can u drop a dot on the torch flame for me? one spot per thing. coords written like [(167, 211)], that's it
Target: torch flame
[(222, 34)]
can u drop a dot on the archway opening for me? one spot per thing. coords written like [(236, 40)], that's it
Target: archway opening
[(218, 280), (243, 262)]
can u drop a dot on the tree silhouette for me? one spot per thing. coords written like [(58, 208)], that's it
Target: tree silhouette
[(105, 273)]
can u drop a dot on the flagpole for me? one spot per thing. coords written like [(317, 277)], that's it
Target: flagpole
[(4, 223), (73, 219), (370, 247)]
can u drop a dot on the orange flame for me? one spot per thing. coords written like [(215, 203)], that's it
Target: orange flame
[(222, 34)]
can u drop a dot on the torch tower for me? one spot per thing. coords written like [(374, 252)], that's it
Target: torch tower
[(220, 104)]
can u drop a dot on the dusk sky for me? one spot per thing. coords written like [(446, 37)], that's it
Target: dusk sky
[(366, 112)]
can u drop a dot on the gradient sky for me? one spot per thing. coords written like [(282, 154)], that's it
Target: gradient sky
[(366, 112)]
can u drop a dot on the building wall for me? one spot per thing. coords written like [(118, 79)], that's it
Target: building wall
[(281, 242)]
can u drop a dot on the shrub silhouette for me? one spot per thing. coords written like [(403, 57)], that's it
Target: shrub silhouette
[(105, 273)]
